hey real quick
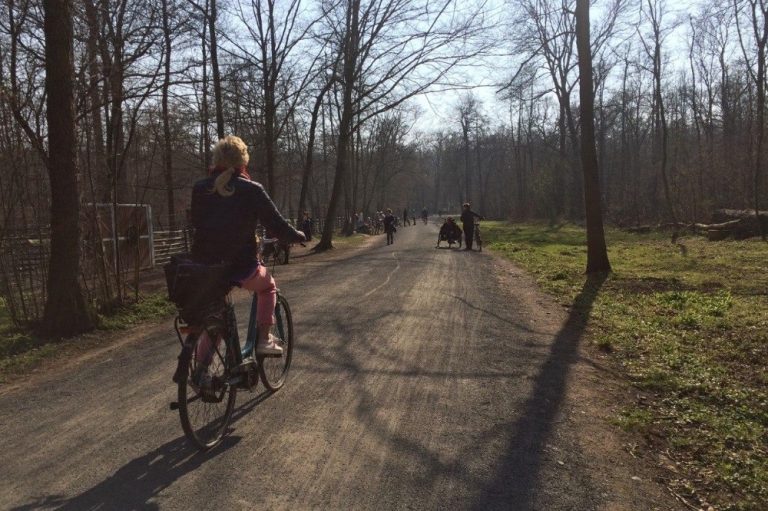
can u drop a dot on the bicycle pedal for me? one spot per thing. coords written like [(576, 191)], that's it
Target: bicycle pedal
[(271, 355), (235, 381), (245, 365)]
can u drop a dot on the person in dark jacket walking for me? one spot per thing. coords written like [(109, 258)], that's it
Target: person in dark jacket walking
[(226, 207), (389, 226), (306, 226), (468, 224), (405, 217)]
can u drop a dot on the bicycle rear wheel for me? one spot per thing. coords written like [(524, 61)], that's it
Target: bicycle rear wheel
[(274, 369), (206, 399)]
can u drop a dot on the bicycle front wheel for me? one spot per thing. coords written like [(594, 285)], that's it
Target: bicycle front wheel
[(206, 398), (274, 369)]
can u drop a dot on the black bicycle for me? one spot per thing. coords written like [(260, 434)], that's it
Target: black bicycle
[(477, 238), (213, 366)]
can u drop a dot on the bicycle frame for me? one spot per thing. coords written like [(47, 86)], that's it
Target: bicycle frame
[(232, 336), (204, 382)]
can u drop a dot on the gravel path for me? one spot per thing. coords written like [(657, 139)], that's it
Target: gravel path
[(423, 378)]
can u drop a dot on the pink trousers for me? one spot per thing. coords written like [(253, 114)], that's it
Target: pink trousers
[(261, 283)]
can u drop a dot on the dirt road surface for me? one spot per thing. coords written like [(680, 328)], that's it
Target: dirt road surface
[(423, 378)]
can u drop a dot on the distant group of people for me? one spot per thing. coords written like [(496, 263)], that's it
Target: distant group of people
[(386, 221), (451, 232)]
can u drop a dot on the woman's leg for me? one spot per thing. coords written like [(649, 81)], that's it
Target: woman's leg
[(262, 283), (204, 349)]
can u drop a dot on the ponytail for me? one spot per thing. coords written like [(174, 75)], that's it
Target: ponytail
[(221, 184)]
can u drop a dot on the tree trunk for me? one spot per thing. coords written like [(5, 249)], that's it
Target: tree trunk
[(167, 152), (597, 254), (350, 50), (205, 135), (467, 175), (760, 123), (215, 70), (66, 311), (102, 188)]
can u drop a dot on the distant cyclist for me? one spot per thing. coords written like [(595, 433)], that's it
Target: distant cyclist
[(468, 224), (424, 215)]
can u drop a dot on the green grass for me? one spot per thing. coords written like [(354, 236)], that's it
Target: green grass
[(22, 351), (340, 241), (688, 323)]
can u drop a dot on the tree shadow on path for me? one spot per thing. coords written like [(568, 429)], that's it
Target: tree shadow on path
[(516, 481), (136, 483)]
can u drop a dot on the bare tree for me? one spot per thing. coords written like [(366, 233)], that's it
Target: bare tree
[(392, 50), (597, 254), (66, 311), (167, 142), (654, 12), (277, 31), (210, 13), (757, 18), (310, 148), (468, 110)]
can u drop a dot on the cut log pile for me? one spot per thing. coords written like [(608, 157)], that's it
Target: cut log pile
[(733, 223), (726, 223)]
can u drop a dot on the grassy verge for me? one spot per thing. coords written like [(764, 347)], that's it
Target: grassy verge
[(22, 351), (688, 323), (340, 241)]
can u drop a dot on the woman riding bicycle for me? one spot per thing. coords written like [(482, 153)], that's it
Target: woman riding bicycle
[(226, 207)]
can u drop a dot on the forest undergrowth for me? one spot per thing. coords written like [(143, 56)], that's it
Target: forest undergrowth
[(22, 350), (688, 325)]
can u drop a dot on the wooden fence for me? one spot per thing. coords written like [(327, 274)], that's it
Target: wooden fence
[(24, 258), (167, 243)]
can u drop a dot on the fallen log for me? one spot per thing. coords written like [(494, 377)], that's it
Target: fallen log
[(747, 226), (733, 223), (729, 225), (725, 215)]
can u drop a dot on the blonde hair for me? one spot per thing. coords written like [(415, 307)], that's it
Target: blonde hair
[(231, 153)]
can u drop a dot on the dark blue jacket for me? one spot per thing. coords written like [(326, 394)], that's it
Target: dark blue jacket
[(225, 226), (468, 219)]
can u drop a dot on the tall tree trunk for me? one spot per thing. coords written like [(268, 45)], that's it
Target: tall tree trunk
[(66, 311), (597, 254), (215, 70), (307, 171), (467, 175), (205, 117), (102, 188), (664, 135), (350, 61), (760, 122), (167, 152)]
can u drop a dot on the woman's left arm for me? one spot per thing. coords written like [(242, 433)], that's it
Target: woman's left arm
[(267, 213)]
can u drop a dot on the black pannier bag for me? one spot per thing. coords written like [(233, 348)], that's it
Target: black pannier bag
[(196, 288)]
